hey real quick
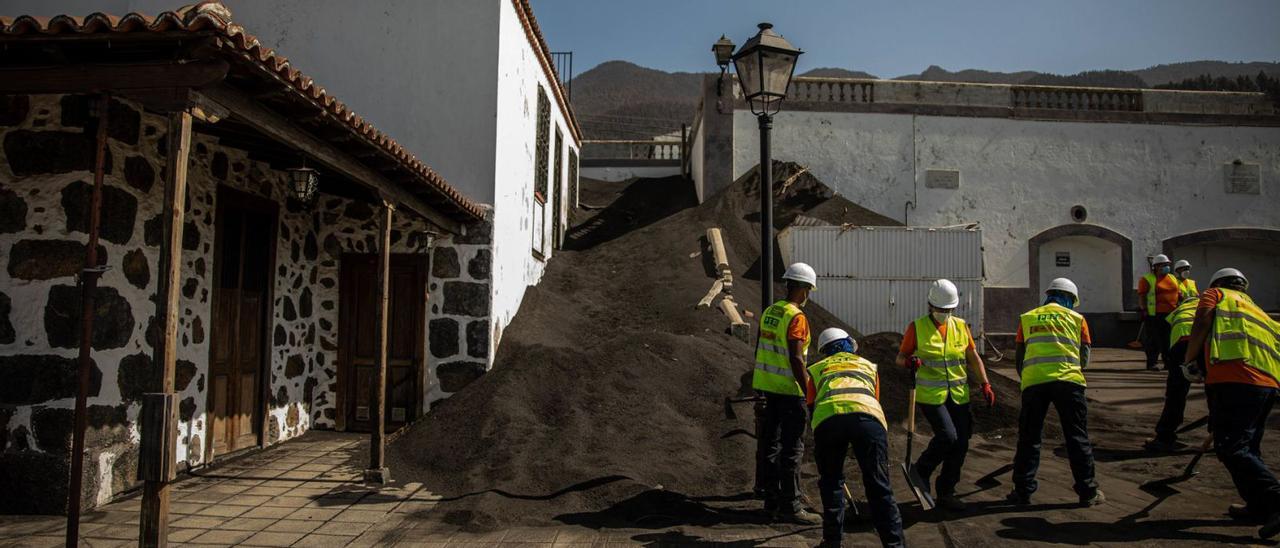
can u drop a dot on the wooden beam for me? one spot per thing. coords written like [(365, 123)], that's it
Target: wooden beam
[(377, 471), (158, 472), (277, 127), (108, 77)]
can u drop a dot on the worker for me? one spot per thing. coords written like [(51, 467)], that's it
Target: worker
[(846, 412), (1053, 351), (1158, 292), (1234, 344), (779, 375), (1176, 385), (1186, 285), (938, 348)]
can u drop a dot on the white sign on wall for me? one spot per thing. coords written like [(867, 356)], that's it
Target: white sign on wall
[(1242, 178)]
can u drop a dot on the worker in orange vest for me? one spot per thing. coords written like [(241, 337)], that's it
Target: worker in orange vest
[(1158, 295)]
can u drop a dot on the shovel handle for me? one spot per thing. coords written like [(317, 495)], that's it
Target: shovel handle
[(911, 407)]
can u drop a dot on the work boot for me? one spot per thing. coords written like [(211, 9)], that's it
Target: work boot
[(1272, 527), (1096, 499), (1242, 513), (1018, 498), (1157, 445), (952, 503), (798, 517)]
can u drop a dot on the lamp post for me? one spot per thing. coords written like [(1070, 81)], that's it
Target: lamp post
[(765, 65)]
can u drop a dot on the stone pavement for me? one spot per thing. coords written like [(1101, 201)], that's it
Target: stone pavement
[(307, 492)]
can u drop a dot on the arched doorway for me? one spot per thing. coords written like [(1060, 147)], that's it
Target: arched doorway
[(1099, 260), (1255, 251)]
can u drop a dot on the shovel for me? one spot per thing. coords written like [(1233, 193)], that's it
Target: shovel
[(1195, 461), (920, 491), (1136, 343)]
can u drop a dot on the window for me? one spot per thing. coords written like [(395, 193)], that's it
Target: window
[(541, 146), (558, 200), (573, 179)]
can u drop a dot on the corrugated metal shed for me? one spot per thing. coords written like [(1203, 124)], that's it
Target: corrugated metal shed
[(877, 278)]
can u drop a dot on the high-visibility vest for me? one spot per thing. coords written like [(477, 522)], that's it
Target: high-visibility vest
[(1187, 288), (845, 383), (1180, 321), (943, 371), (1242, 332), (773, 364), (1052, 335), (1154, 295)]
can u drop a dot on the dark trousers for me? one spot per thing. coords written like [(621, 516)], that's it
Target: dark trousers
[(779, 449), (1238, 417), (1068, 398), (1155, 338), (952, 425), (1176, 387), (870, 444)]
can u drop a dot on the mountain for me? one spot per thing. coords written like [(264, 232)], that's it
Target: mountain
[(621, 100)]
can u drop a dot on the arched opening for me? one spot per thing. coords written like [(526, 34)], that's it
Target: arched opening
[(1255, 251), (1099, 260)]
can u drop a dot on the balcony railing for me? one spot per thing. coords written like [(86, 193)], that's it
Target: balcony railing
[(631, 150), (1076, 98), (832, 90)]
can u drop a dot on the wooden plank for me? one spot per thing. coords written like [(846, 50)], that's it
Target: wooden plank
[(154, 525), (277, 127), (109, 77), (377, 471)]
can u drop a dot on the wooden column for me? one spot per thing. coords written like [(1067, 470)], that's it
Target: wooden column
[(377, 471), (89, 286), (159, 414)]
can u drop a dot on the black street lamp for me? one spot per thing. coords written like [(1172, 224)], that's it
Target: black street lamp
[(765, 65)]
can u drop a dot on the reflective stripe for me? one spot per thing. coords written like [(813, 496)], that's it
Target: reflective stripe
[(1182, 320), (843, 391), (942, 384), (1247, 316), (771, 347), (1052, 339), (775, 370), (1051, 359), (1252, 340), (826, 377), (942, 363)]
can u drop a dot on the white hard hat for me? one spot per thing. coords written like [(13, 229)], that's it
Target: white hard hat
[(801, 272), (1064, 285), (1181, 264), (1228, 273), (1159, 259), (943, 294), (832, 334)]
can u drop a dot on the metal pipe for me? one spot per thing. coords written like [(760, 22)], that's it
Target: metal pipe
[(766, 213), (88, 287)]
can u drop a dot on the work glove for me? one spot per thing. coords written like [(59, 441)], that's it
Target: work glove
[(988, 394), (1192, 371), (914, 364)]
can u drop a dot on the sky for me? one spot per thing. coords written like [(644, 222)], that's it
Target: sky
[(892, 38)]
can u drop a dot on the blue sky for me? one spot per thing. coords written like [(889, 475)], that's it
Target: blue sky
[(891, 38)]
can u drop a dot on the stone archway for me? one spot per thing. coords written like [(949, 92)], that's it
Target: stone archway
[(1034, 246), (1256, 251)]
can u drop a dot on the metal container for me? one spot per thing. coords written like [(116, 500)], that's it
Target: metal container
[(877, 278)]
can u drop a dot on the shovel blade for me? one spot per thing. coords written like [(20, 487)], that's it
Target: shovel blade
[(992, 480), (923, 497)]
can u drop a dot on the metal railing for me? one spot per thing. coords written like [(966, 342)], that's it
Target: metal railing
[(562, 61)]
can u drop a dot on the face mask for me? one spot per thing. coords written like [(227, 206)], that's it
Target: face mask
[(1164, 270), (940, 317), (1182, 274)]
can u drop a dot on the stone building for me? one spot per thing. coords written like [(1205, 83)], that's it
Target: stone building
[(276, 306)]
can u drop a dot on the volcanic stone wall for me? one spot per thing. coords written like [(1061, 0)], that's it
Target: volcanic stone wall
[(461, 340), (46, 162)]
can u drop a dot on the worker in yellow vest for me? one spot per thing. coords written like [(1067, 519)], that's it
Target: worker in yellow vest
[(1186, 285), (939, 349), (1176, 386), (1053, 351), (779, 376), (1239, 345), (847, 413), (1158, 293)]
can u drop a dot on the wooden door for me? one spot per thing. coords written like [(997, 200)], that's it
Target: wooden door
[(244, 253), (358, 331)]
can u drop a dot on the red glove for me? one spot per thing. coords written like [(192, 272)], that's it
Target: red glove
[(914, 364), (988, 394)]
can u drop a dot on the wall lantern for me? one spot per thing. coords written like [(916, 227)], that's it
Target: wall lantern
[(765, 65), (305, 180), (723, 49)]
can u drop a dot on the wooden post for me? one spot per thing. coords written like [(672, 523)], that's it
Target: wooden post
[(89, 286), (377, 472), (159, 419)]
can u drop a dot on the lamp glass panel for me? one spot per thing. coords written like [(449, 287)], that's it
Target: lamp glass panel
[(777, 69), (748, 67)]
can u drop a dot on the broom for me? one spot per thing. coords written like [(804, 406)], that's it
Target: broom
[(1136, 343)]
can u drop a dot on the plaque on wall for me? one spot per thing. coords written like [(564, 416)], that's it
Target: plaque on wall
[(942, 178), (1243, 178), (1062, 258)]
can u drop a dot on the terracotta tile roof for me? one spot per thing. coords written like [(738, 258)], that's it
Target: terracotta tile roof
[(534, 34), (212, 17)]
